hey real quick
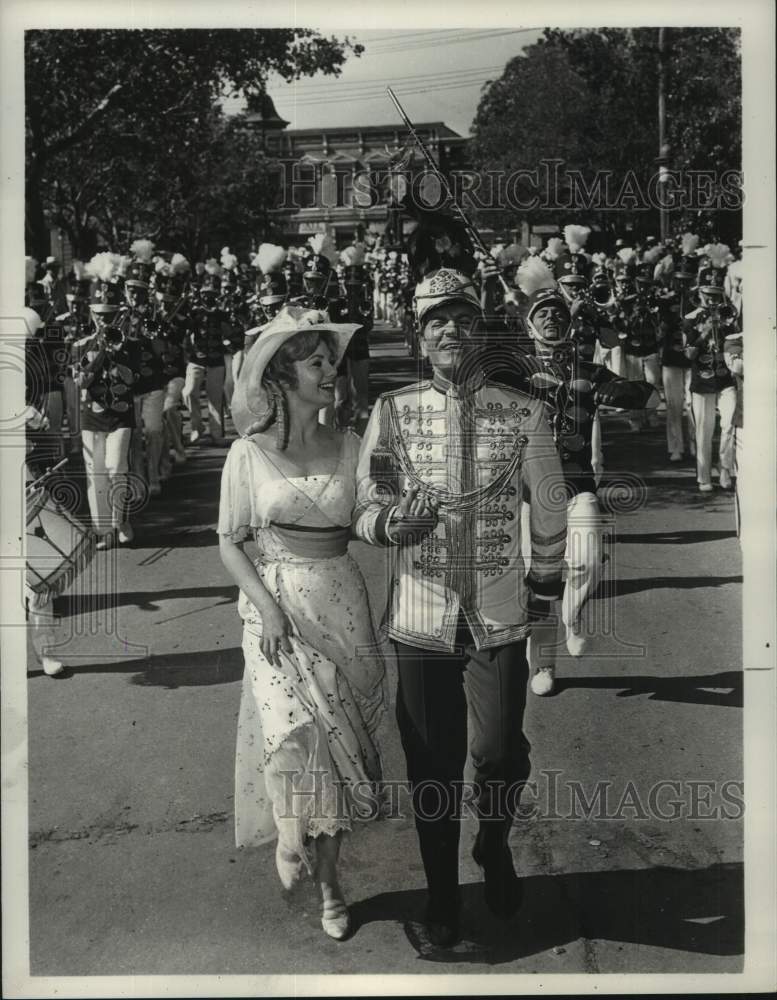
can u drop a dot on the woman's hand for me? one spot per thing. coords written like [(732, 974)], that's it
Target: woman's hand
[(276, 630), (415, 516)]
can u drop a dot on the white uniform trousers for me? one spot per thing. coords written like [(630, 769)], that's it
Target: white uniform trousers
[(647, 369), (106, 456), (583, 562), (677, 395), (705, 406), (147, 437), (213, 377)]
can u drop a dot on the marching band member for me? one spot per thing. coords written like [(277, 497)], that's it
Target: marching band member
[(441, 471), (573, 389), (674, 298), (232, 306), (109, 366), (643, 331), (75, 325), (135, 322), (357, 355), (205, 357), (46, 358), (712, 384), (172, 320), (733, 355)]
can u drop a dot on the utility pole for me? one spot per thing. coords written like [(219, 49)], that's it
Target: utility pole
[(663, 147)]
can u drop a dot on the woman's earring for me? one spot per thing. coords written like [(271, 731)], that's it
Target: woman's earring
[(281, 420)]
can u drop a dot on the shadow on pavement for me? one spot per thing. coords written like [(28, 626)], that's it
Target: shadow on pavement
[(620, 588), (699, 911), (170, 670), (85, 604), (672, 537), (704, 689)]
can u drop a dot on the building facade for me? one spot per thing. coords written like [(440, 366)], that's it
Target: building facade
[(337, 180)]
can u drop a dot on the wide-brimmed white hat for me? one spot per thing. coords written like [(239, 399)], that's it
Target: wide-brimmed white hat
[(252, 406)]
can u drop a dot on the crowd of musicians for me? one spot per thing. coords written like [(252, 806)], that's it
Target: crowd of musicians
[(121, 348)]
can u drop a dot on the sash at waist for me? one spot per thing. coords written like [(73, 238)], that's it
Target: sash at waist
[(313, 543)]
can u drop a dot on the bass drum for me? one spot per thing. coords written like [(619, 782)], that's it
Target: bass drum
[(58, 545)]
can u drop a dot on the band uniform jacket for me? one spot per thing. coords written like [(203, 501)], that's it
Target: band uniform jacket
[(704, 331), (477, 450)]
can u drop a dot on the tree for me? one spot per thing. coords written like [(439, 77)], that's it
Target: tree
[(610, 124), (99, 103)]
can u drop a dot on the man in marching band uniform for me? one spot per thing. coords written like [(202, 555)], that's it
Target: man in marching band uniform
[(173, 320), (205, 357), (234, 313), (108, 367), (675, 301), (136, 325), (573, 390), (643, 332), (712, 384), (75, 325), (441, 473), (358, 310), (46, 358), (733, 353)]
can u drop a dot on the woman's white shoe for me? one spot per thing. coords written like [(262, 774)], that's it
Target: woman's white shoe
[(543, 681), (290, 866)]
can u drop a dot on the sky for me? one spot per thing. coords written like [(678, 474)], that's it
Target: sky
[(437, 76)]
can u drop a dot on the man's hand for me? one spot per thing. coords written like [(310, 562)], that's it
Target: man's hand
[(415, 516)]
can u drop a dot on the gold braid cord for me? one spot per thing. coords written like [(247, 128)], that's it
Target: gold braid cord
[(458, 502)]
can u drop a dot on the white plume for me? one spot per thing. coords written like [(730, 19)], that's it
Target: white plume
[(600, 258), (534, 274), (179, 264), (123, 266), (652, 255), (576, 237), (104, 266), (162, 267), (664, 267), (30, 269), (718, 253), (627, 255), (689, 243), (354, 255), (270, 258), (228, 260), (143, 250), (554, 247), (212, 266), (224, 251), (512, 254), (199, 267), (322, 244)]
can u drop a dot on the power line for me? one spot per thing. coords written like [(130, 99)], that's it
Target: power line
[(314, 88), (469, 37), (378, 94)]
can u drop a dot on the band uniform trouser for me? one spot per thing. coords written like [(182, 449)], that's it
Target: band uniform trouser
[(637, 369), (436, 693), (583, 561), (106, 458), (705, 406), (213, 377), (677, 396), (147, 438)]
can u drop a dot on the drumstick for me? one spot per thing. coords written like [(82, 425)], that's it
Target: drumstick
[(31, 487)]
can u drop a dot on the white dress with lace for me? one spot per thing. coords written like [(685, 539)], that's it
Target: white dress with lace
[(307, 761)]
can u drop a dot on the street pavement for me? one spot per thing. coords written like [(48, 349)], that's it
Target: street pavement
[(133, 869)]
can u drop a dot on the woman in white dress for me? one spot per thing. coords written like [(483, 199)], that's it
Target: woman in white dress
[(307, 763)]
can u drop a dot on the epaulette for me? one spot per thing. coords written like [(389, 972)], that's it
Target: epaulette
[(406, 389)]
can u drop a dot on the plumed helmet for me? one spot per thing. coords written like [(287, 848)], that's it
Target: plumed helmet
[(443, 286)]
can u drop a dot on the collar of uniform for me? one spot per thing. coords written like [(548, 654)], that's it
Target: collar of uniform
[(448, 388)]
